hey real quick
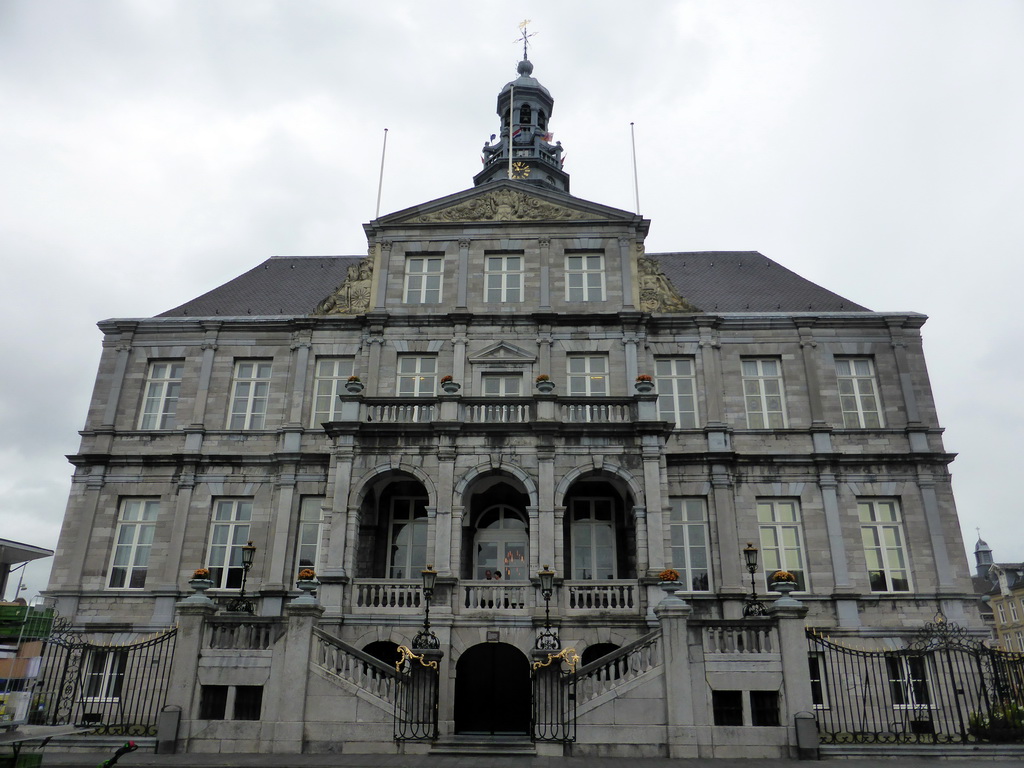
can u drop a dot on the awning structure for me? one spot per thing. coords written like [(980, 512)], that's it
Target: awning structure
[(13, 552)]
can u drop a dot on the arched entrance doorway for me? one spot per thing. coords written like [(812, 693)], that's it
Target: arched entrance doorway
[(492, 690)]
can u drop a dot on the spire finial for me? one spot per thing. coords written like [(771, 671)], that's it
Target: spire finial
[(524, 36)]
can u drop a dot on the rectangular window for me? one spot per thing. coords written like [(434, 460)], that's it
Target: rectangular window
[(727, 707), (593, 538), (502, 385), (588, 375), (763, 394), (229, 532), (311, 526), (677, 391), (417, 376), (248, 702), (782, 546), (908, 682), (1013, 611), (160, 405), (584, 277), (249, 394), (858, 393), (764, 708), (133, 541), (103, 675), (1020, 642), (881, 529), (331, 375), (503, 279), (819, 683), (1002, 613), (688, 531), (423, 279), (408, 537), (213, 702)]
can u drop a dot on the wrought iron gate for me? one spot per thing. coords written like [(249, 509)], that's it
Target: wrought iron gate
[(116, 689), (416, 695), (554, 697), (945, 687)]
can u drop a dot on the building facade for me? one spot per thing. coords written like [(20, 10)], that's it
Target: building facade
[(475, 396)]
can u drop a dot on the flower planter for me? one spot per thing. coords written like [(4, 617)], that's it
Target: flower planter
[(644, 387), (450, 387), (354, 387), (545, 387)]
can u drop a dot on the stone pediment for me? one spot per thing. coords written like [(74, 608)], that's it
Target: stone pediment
[(502, 205), (503, 353)]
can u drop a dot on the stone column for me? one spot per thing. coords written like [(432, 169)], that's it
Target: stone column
[(380, 275), (846, 609), (443, 533), (545, 276), (642, 542), (655, 506), (916, 431), (549, 533), (192, 614), (124, 350), (944, 575), (796, 674), (673, 614), (729, 546), (300, 367), (463, 275), (209, 347), (292, 698), (821, 431), (627, 270)]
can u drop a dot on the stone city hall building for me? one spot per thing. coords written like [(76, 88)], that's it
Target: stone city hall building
[(508, 384)]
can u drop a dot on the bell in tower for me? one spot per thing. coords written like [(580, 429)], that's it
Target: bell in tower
[(526, 150)]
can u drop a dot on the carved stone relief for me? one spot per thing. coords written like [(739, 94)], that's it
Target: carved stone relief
[(657, 294), (353, 296), (501, 205)]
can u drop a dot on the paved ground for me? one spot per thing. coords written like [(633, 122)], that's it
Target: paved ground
[(149, 760)]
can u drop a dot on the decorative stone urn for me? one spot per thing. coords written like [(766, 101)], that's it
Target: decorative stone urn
[(545, 386), (644, 387), (307, 587), (450, 387), (353, 387)]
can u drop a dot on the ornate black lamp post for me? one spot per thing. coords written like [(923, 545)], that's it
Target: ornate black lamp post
[(752, 606), (548, 639), (242, 604), (425, 639)]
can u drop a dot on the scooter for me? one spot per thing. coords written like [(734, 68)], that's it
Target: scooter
[(129, 746)]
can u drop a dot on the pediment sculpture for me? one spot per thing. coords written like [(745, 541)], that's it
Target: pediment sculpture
[(501, 205), (352, 297), (657, 294)]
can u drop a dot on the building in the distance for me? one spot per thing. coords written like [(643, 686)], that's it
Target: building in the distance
[(509, 383)]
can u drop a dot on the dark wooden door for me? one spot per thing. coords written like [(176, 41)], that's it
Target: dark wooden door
[(492, 690)]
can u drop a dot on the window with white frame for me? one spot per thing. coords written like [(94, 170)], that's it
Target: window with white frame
[(103, 674), (311, 529), (503, 278), (881, 529), (763, 393), (677, 391), (229, 532), (584, 277), (407, 543), (588, 375), (501, 545), (331, 376), (688, 540), (1001, 610), (133, 540), (908, 682), (593, 538), (417, 376), (819, 682), (782, 545), (423, 279), (1020, 642), (502, 384), (250, 392), (160, 404), (858, 393), (1013, 611)]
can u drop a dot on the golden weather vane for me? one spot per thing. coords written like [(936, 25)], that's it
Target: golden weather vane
[(525, 36)]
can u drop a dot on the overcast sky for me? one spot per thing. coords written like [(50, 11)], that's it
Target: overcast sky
[(151, 150)]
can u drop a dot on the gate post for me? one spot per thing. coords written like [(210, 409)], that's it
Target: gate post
[(293, 681), (181, 688), (417, 700), (673, 613), (796, 672)]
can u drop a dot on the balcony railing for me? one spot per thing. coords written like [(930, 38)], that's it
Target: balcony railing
[(580, 596), (491, 596), (391, 595)]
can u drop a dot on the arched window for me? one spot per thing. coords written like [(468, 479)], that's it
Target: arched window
[(525, 114), (500, 545), (407, 540), (593, 539)]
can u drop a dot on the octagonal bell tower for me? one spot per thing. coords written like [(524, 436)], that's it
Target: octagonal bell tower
[(525, 150)]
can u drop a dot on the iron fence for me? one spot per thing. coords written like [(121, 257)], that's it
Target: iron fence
[(945, 687), (117, 689)]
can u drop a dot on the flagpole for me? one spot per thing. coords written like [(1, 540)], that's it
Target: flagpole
[(636, 183), (380, 182), (511, 103)]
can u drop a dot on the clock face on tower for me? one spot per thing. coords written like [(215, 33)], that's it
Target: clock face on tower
[(520, 170)]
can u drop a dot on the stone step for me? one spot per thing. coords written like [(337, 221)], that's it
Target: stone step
[(471, 744)]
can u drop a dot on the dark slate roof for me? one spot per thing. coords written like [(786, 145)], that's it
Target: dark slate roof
[(714, 281), (282, 285), (746, 281)]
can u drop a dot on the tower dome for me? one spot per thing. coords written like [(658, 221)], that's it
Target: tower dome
[(525, 149)]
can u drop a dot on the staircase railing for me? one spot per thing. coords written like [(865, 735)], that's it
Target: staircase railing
[(340, 659), (618, 668)]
